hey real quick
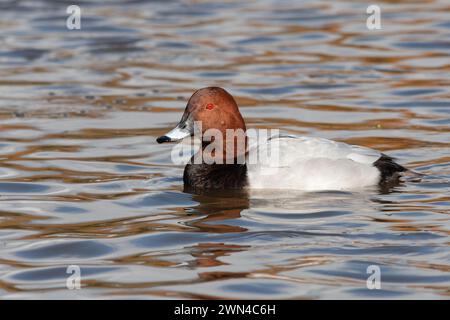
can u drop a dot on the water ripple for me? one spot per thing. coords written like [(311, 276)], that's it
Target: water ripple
[(83, 182)]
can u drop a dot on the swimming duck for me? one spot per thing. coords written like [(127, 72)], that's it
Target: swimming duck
[(302, 163)]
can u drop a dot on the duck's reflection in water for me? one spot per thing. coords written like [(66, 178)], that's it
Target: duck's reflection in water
[(216, 211), (222, 205), (232, 220), (216, 206)]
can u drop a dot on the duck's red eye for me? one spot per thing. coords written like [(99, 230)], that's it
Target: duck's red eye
[(210, 106)]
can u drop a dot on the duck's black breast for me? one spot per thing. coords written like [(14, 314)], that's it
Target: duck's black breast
[(215, 176)]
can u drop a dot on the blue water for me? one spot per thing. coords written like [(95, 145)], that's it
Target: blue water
[(82, 181)]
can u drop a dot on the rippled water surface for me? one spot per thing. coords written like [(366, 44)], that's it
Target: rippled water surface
[(82, 181)]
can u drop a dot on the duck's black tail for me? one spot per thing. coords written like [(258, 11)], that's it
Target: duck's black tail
[(389, 169)]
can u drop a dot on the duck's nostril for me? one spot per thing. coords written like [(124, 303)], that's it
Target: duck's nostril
[(163, 139)]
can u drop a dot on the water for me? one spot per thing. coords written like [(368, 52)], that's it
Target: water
[(82, 181)]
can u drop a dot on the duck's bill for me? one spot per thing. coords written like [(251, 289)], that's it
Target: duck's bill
[(183, 130), (174, 135)]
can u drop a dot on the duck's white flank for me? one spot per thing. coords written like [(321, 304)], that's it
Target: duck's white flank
[(311, 164)]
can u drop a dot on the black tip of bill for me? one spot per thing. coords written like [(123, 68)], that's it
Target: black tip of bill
[(163, 139)]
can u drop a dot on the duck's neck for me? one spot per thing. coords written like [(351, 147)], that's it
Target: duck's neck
[(218, 165)]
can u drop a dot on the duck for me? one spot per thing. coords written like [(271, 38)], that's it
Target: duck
[(294, 162)]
